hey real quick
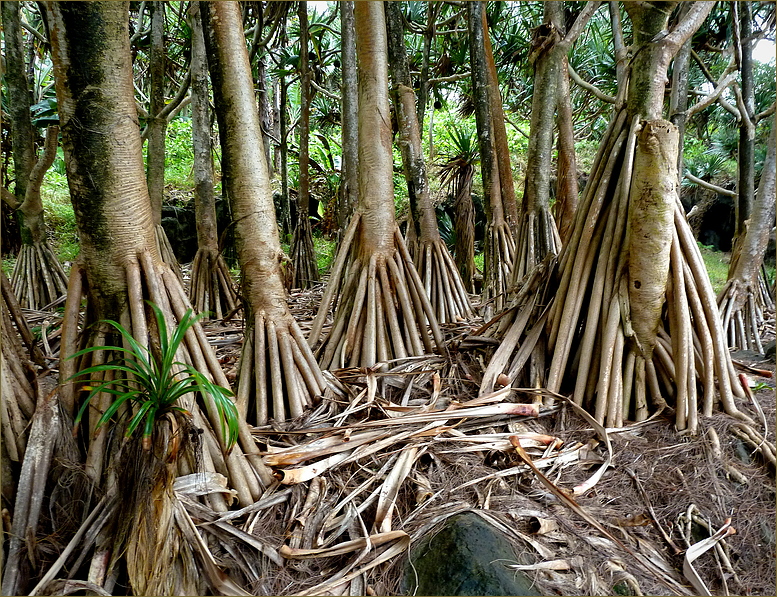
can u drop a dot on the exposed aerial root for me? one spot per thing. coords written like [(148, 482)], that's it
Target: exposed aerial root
[(157, 283), (383, 311), (278, 374), (592, 347), (499, 254), (442, 281), (166, 251), (538, 236), (38, 278), (211, 290), (303, 256)]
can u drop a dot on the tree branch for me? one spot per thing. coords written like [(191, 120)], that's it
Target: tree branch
[(10, 198), (451, 79), (326, 92), (580, 22), (689, 24), (709, 186), (37, 34), (768, 112), (179, 97), (586, 85), (711, 97)]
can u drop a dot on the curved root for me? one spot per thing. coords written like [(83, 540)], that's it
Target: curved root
[(383, 311), (743, 309), (211, 290), (499, 254), (442, 281), (38, 278)]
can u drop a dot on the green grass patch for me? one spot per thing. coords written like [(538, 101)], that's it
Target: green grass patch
[(325, 253), (717, 266), (479, 261)]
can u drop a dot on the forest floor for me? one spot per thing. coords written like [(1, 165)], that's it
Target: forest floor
[(392, 452)]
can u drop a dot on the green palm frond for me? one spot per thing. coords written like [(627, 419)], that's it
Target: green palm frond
[(154, 382)]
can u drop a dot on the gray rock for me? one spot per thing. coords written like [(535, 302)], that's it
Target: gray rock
[(769, 350), (467, 556)]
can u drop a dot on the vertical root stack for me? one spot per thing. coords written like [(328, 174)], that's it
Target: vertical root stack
[(211, 289), (499, 255), (157, 283), (442, 281), (384, 312), (743, 310), (592, 346), (38, 278)]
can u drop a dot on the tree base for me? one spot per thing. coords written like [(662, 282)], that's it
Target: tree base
[(383, 311), (303, 257), (499, 256), (38, 279), (211, 290), (442, 281)]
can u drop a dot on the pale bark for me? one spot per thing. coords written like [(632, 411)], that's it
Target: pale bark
[(157, 124), (349, 119)]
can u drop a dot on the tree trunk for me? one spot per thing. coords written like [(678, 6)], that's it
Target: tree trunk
[(441, 278), (211, 289), (678, 100), (746, 153), (744, 302), (537, 235), (349, 119), (384, 310), (612, 338), (278, 375), (303, 255), (432, 10), (157, 125), (19, 99), (499, 243)]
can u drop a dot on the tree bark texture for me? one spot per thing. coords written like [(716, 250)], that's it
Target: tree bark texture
[(746, 149), (303, 255), (599, 320), (157, 124), (19, 98), (745, 302), (441, 278), (384, 311), (350, 130), (499, 243), (120, 265), (278, 375), (211, 289)]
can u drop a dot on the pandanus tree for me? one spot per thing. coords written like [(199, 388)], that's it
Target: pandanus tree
[(383, 312), (434, 263), (211, 289), (537, 233), (278, 374), (498, 192), (38, 278), (349, 118), (303, 255), (119, 269), (745, 301), (630, 315)]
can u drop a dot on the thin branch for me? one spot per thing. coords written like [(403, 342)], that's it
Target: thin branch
[(580, 22), (689, 24), (515, 126), (709, 186), (723, 84), (326, 92), (586, 85), (179, 97), (10, 198), (450, 79), (768, 112), (37, 34), (139, 31)]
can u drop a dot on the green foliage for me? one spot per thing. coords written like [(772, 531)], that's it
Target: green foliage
[(325, 253), (179, 154), (717, 266), (149, 380)]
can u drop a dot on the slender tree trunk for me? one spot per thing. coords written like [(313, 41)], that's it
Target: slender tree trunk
[(441, 278), (211, 289), (745, 302), (432, 10), (284, 129), (678, 100), (303, 255), (384, 310), (157, 124), (746, 153), (499, 242), (278, 375), (349, 100), (19, 99)]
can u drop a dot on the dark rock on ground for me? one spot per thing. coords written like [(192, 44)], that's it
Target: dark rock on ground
[(467, 556)]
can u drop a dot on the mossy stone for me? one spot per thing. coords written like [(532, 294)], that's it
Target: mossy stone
[(467, 556)]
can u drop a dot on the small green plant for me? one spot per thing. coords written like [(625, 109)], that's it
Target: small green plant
[(149, 381)]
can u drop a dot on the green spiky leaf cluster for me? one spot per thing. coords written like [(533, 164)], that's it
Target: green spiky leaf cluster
[(151, 382)]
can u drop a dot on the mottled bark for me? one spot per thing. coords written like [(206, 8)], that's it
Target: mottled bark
[(211, 289), (19, 98), (278, 376), (303, 255), (157, 123), (349, 118), (746, 148), (678, 99)]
